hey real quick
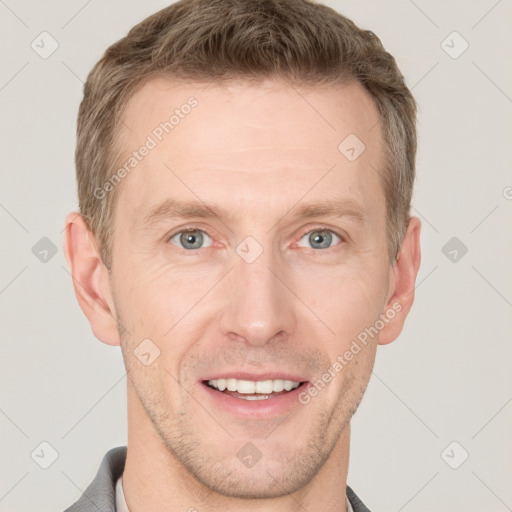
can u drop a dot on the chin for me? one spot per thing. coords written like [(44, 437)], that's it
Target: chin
[(263, 481)]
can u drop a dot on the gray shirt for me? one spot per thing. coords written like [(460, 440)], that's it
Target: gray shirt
[(105, 493)]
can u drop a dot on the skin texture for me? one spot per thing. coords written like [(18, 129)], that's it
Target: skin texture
[(260, 151)]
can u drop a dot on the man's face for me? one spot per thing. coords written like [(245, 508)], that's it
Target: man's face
[(259, 293)]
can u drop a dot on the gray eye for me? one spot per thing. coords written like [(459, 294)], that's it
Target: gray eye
[(319, 238), (193, 239)]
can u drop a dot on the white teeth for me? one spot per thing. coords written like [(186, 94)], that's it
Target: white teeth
[(278, 385), (231, 384), (264, 386), (288, 385), (245, 386), (249, 387)]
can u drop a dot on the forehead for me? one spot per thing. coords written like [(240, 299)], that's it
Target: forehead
[(264, 140)]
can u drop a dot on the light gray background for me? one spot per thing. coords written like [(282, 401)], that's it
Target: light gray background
[(447, 378)]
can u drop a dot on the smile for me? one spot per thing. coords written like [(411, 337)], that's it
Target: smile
[(253, 390)]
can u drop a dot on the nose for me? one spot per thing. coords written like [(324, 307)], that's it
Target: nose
[(260, 307)]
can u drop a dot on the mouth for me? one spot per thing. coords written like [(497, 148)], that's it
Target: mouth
[(253, 390), (270, 395)]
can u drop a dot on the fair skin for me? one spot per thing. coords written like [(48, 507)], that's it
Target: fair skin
[(260, 152)]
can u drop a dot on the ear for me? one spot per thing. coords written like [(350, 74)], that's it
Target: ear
[(402, 283), (90, 279)]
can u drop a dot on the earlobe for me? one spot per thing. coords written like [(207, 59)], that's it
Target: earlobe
[(402, 283), (90, 279)]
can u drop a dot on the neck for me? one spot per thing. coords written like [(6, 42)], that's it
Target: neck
[(154, 479)]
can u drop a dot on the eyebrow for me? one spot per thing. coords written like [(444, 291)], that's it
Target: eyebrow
[(177, 209)]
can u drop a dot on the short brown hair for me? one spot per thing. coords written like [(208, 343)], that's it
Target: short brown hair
[(298, 40)]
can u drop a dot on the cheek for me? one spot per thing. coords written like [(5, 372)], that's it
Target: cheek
[(159, 295), (347, 300), (154, 303)]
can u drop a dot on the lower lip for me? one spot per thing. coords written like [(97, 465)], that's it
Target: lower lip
[(273, 406)]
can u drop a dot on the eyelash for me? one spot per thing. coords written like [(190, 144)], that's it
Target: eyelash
[(318, 228)]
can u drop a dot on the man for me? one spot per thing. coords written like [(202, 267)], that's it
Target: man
[(245, 172)]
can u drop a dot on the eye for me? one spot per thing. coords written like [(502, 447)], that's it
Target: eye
[(191, 239), (319, 239)]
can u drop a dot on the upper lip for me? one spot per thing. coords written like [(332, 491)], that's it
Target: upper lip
[(268, 375)]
